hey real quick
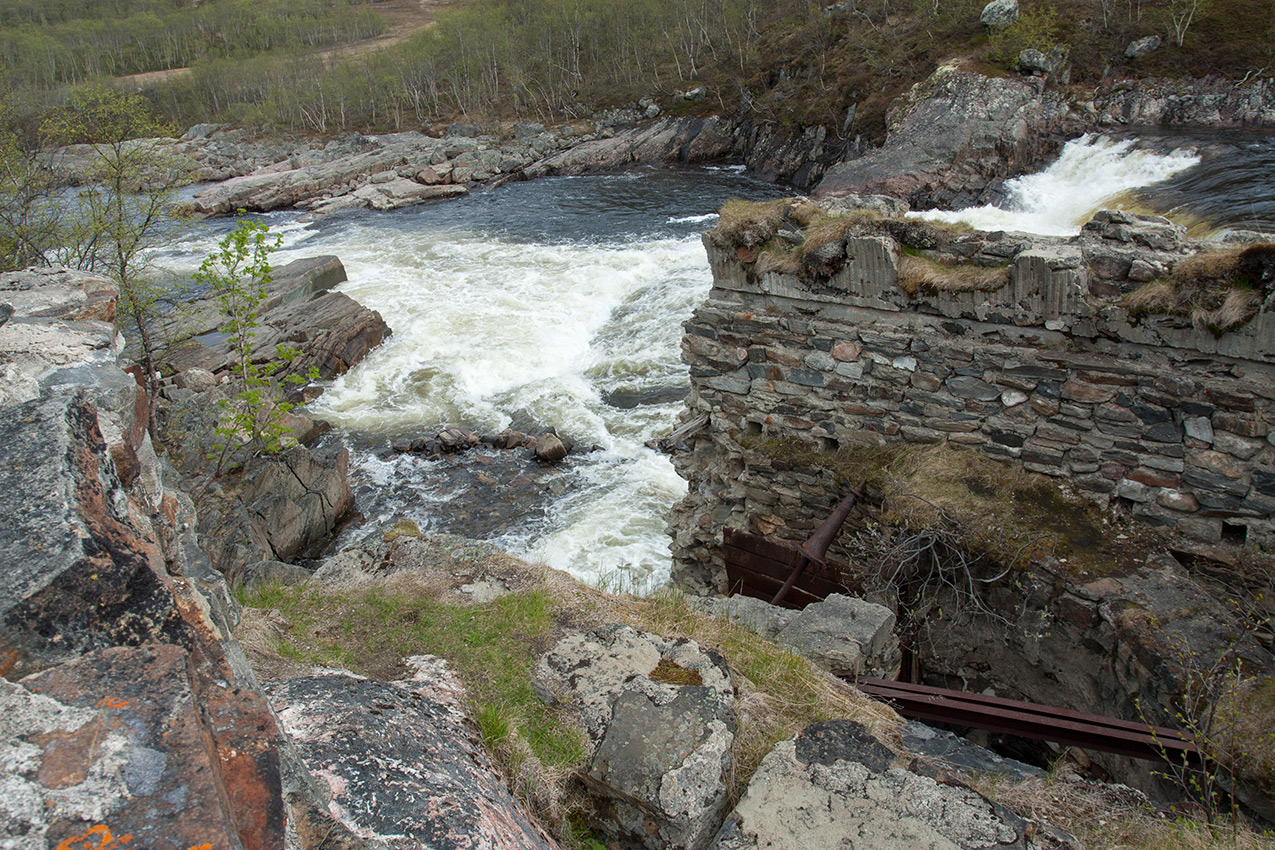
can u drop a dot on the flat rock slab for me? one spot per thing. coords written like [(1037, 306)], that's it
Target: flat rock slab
[(959, 755), (833, 786), (662, 718), (56, 318), (402, 762)]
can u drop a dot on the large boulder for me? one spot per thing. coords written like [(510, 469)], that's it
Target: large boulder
[(279, 509), (1142, 46), (661, 717), (834, 785), (999, 14), (400, 764), (845, 635)]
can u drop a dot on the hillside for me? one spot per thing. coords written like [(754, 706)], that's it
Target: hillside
[(323, 67)]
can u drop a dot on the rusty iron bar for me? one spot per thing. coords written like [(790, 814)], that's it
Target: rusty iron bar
[(815, 547), (1038, 722)]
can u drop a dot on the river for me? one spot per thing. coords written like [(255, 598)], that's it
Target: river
[(559, 302)]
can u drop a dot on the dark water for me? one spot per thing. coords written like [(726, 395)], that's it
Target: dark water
[(1232, 188), (646, 203)]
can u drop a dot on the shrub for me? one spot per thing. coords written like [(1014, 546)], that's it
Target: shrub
[(1036, 27)]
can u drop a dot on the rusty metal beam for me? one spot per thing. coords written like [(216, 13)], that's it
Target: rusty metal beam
[(815, 548), (1038, 722)]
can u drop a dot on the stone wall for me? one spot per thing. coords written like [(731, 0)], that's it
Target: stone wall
[(1049, 372)]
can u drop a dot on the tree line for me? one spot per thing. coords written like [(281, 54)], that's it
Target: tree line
[(68, 44), (548, 58)]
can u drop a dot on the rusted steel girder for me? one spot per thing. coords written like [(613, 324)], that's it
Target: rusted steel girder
[(815, 548), (1038, 722)]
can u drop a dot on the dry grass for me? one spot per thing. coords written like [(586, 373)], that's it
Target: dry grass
[(855, 465), (778, 261), (748, 224), (1158, 296), (1217, 290), (791, 236), (1238, 307), (1114, 817), (1003, 513), (919, 274)]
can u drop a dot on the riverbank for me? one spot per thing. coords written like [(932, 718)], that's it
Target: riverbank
[(952, 142)]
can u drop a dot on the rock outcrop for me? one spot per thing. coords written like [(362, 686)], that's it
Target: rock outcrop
[(332, 330), (952, 137), (387, 171), (835, 785), (663, 142), (130, 713), (661, 717), (131, 716)]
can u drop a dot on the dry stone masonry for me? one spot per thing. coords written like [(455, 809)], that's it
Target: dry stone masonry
[(1050, 371)]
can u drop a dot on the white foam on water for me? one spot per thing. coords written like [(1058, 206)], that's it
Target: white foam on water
[(490, 333), (693, 219), (1089, 174)]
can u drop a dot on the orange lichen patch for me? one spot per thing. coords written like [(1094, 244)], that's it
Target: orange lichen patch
[(98, 837), (112, 702)]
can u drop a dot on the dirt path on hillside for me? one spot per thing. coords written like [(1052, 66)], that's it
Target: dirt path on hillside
[(402, 17)]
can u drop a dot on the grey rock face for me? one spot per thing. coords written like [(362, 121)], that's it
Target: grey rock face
[(881, 204), (665, 141), (56, 318), (844, 635), (77, 574), (960, 755), (661, 716), (1142, 47), (759, 616), (402, 764), (667, 757), (833, 786), (999, 14)]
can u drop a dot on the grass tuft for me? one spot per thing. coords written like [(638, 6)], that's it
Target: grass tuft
[(920, 274), (1217, 290)]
